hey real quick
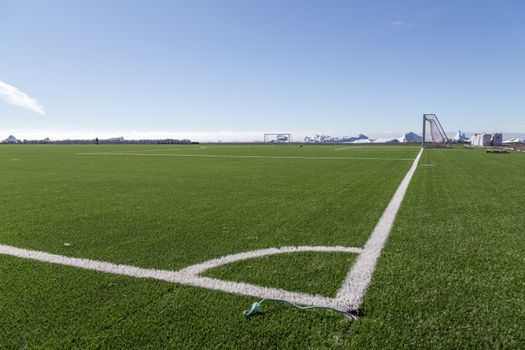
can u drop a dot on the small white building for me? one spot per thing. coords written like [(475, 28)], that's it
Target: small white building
[(486, 140)]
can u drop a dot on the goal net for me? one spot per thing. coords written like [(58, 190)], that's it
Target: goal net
[(277, 138), (433, 133)]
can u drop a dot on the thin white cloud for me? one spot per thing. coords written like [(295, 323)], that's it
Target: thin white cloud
[(12, 95), (402, 24)]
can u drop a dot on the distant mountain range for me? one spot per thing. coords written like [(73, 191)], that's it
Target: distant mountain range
[(321, 138), (461, 137)]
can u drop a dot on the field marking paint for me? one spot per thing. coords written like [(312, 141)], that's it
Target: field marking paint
[(233, 156), (349, 296), (348, 147), (200, 268), (352, 292), (190, 275), (164, 149)]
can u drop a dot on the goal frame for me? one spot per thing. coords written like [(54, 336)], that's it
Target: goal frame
[(433, 117)]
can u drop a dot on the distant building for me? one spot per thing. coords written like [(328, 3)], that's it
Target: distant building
[(487, 140), (497, 139)]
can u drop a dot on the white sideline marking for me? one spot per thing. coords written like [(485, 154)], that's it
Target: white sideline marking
[(231, 156), (162, 149), (349, 296), (348, 147)]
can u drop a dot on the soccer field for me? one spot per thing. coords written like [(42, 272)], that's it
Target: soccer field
[(450, 275)]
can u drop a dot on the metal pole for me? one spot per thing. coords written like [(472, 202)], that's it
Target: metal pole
[(424, 129)]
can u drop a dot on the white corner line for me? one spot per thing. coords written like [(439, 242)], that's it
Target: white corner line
[(210, 264), (352, 292), (190, 276)]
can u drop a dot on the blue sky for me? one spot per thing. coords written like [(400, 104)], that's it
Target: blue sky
[(245, 67)]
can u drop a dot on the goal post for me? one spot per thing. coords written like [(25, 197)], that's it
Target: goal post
[(278, 138), (433, 133)]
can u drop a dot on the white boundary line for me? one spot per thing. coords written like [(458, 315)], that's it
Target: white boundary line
[(190, 276), (162, 149), (347, 147), (232, 156), (349, 296), (200, 268)]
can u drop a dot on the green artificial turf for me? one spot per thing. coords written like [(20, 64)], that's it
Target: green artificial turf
[(451, 274), (324, 275), (168, 212)]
